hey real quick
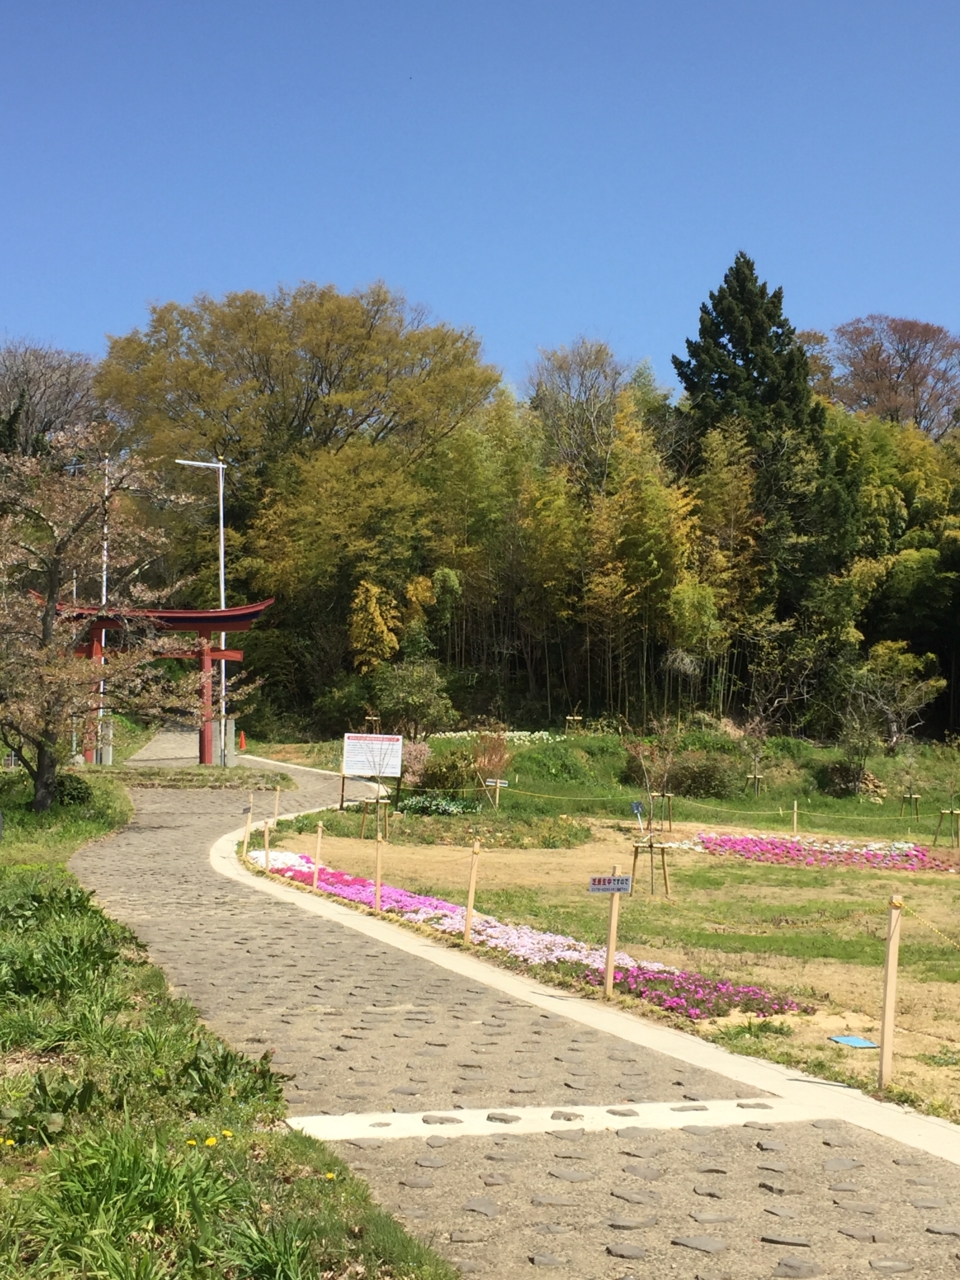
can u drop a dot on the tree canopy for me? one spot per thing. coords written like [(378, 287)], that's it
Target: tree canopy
[(595, 546)]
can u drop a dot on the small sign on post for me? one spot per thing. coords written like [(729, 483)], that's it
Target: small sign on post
[(496, 783), (614, 885)]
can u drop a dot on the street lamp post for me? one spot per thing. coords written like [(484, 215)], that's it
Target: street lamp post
[(220, 467)]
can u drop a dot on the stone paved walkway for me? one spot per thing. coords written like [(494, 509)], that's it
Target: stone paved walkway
[(581, 1152)]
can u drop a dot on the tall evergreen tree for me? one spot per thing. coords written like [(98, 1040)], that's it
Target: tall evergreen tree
[(748, 375), (747, 362)]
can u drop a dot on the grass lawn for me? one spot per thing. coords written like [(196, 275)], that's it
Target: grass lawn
[(134, 1144)]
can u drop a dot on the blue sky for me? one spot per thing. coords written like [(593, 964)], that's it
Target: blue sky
[(533, 169)]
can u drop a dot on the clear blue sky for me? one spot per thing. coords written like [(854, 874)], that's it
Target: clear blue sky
[(534, 169)]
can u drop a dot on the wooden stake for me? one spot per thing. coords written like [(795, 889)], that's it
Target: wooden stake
[(343, 786), (794, 817), (363, 820), (246, 833), (612, 939), (666, 873), (471, 892), (652, 886), (633, 870), (890, 992), (376, 890), (266, 845), (316, 856)]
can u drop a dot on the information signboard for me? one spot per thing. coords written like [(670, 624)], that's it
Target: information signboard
[(610, 884), (372, 755)]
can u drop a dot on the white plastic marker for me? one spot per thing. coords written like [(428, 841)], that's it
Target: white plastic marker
[(614, 884)]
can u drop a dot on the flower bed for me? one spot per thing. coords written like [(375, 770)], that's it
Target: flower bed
[(690, 994), (786, 850), (695, 996)]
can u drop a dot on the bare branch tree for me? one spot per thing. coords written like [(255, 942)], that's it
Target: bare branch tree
[(574, 392), (902, 370)]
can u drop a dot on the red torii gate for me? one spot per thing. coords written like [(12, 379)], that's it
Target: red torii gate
[(205, 622)]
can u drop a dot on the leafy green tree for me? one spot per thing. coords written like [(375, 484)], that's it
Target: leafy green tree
[(412, 697)]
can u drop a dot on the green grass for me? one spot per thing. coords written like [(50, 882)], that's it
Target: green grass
[(134, 1144), (496, 830), (200, 777), (50, 838)]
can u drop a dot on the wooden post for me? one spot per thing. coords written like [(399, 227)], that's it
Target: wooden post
[(343, 786), (794, 817), (376, 888), (266, 844), (471, 891), (633, 871), (652, 888), (386, 819), (246, 833), (889, 992), (276, 806), (316, 856), (611, 939), (669, 810), (666, 873), (363, 820), (496, 794), (378, 879)]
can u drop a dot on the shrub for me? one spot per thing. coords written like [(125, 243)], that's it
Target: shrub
[(844, 778), (453, 771), (703, 775), (71, 789)]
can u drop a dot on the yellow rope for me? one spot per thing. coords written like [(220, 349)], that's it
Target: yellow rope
[(949, 941)]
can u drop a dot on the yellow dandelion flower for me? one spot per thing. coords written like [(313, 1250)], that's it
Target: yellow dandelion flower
[(191, 1142), (210, 1142), (9, 1143), (331, 1176), (227, 1133)]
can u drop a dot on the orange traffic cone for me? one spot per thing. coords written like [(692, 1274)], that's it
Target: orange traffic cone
[(243, 741)]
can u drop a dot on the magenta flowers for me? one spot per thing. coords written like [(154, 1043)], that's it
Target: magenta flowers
[(786, 850), (693, 995), (689, 994)]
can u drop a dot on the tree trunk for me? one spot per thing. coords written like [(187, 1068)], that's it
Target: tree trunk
[(45, 780)]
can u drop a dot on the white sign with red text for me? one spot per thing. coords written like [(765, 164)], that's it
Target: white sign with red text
[(372, 755)]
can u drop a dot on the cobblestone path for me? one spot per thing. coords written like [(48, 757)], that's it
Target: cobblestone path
[(578, 1151)]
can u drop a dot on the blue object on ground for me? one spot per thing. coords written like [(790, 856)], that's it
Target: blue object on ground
[(637, 808), (854, 1042)]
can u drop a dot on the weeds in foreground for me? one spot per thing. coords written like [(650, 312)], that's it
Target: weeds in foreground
[(135, 1145)]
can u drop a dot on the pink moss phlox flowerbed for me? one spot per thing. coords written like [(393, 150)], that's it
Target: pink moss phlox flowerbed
[(695, 996), (793, 851), (689, 994)]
